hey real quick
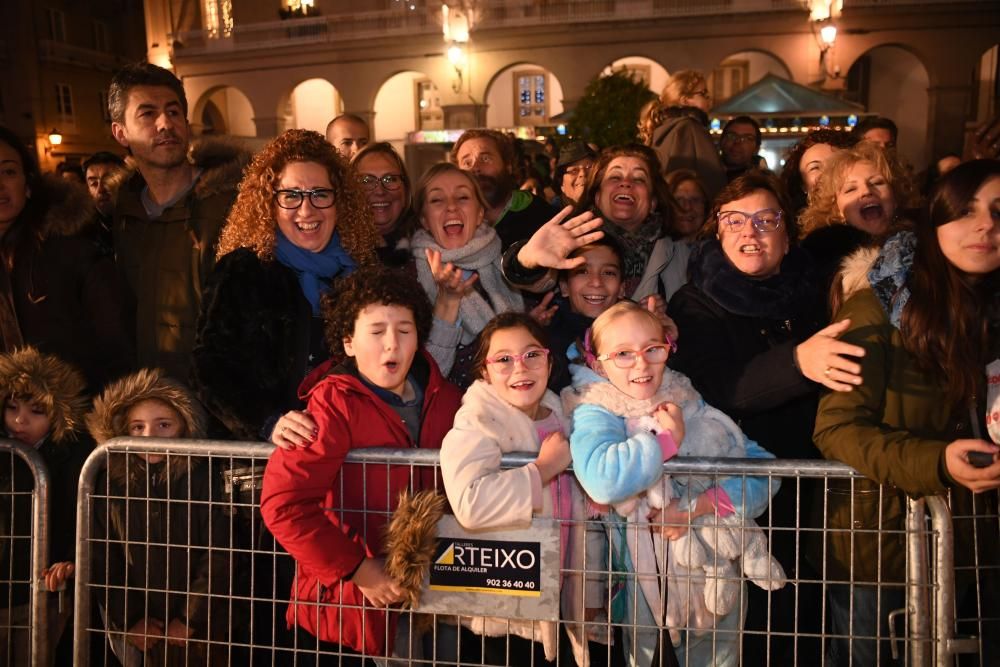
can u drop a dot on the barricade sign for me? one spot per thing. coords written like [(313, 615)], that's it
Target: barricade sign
[(511, 573)]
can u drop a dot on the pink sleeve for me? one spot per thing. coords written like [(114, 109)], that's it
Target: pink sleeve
[(719, 497), (667, 445), (537, 501)]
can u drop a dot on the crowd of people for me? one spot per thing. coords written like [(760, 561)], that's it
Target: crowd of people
[(659, 299)]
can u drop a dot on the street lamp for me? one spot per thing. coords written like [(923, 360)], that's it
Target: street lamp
[(55, 137)]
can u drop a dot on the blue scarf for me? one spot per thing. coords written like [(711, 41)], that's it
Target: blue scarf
[(314, 270), (890, 272)]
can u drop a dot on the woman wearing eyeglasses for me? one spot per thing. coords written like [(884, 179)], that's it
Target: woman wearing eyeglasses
[(300, 221), (755, 344), (383, 178)]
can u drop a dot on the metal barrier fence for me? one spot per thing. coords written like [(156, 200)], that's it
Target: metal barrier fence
[(24, 552), (178, 561)]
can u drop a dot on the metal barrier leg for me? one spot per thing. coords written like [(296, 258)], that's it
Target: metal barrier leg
[(918, 584)]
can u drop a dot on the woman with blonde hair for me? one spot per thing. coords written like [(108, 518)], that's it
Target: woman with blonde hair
[(863, 196), (300, 221), (676, 127)]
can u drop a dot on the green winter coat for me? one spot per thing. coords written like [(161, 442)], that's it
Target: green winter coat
[(165, 261), (893, 429)]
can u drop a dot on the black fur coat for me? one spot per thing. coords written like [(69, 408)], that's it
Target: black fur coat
[(252, 350)]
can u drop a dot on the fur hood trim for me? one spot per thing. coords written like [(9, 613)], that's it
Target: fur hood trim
[(854, 271), (49, 380), (69, 208), (410, 539), (222, 162), (589, 387), (108, 419)]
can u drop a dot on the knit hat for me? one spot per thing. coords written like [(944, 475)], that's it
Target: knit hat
[(51, 382)]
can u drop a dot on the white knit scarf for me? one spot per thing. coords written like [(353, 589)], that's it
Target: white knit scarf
[(482, 255)]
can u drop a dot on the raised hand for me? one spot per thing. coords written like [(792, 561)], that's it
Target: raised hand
[(824, 359), (556, 240), (542, 313)]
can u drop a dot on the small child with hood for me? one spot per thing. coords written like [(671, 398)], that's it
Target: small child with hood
[(152, 567), (43, 407)]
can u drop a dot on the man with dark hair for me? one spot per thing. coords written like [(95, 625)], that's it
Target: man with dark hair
[(98, 170), (878, 130), (168, 214), (739, 145), (348, 134), (489, 156)]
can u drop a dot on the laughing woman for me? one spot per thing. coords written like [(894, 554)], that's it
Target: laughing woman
[(300, 221)]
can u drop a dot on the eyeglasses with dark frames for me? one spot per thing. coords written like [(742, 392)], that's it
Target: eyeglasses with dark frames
[(764, 220), (390, 182), (292, 199)]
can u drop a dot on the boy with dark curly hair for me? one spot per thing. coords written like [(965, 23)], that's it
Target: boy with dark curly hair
[(330, 516)]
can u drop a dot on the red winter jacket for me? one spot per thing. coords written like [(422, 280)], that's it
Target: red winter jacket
[(329, 516)]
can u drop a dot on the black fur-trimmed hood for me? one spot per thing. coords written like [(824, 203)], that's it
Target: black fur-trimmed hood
[(110, 414), (50, 381), (66, 210)]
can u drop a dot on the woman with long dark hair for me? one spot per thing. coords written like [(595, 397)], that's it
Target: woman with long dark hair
[(920, 308), (58, 291)]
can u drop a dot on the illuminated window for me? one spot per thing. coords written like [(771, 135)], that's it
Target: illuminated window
[(64, 101), (729, 78), (531, 104), (217, 16)]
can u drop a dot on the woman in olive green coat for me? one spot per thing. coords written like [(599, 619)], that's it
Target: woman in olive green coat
[(920, 309)]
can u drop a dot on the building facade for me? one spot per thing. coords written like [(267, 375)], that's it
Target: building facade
[(256, 67), (57, 58)]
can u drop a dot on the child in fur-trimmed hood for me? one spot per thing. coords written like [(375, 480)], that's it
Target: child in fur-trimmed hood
[(43, 406), (155, 579)]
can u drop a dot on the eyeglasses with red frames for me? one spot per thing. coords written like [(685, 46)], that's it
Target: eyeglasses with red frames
[(656, 353), (532, 359)]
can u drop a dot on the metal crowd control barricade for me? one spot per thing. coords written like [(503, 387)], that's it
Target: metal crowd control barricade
[(243, 579), (16, 462)]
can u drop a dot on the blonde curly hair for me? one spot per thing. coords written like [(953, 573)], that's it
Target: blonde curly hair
[(822, 210), (651, 116), (252, 224)]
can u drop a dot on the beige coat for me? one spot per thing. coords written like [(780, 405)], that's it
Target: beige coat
[(483, 496)]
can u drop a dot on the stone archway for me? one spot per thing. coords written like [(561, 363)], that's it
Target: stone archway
[(654, 73), (310, 105), (891, 81), (406, 102), (224, 110), (741, 70)]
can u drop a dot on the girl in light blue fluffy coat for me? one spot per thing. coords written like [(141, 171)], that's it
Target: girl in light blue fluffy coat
[(630, 414)]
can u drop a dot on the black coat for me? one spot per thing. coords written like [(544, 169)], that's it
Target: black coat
[(64, 461), (67, 296), (737, 339), (257, 339)]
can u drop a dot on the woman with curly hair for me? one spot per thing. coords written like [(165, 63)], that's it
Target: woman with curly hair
[(300, 221), (806, 160), (863, 196)]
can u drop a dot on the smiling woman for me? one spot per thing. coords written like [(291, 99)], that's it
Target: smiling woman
[(300, 222), (458, 265)]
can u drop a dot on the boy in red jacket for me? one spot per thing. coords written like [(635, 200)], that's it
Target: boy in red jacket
[(329, 515)]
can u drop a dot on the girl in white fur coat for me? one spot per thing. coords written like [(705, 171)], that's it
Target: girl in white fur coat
[(508, 409)]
